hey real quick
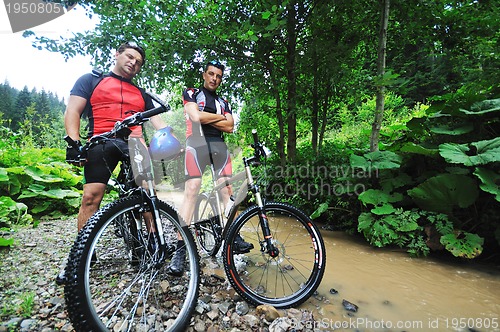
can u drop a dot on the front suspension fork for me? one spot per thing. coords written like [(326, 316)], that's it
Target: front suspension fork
[(269, 246)]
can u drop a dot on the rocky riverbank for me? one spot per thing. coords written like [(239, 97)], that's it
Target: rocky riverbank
[(31, 301)]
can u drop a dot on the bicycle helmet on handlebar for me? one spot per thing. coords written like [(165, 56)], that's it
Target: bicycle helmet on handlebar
[(164, 146)]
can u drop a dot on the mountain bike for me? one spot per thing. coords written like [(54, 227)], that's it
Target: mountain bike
[(287, 262), (117, 278)]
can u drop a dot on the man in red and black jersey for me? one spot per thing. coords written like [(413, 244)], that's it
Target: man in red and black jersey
[(114, 98), (208, 117)]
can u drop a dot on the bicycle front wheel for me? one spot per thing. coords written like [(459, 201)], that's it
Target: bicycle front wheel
[(116, 278), (286, 280)]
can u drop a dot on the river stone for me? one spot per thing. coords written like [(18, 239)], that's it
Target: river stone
[(213, 314), (281, 324), (294, 314), (213, 328), (202, 307), (199, 326), (349, 306), (269, 312), (224, 307), (250, 320), (242, 308), (26, 324)]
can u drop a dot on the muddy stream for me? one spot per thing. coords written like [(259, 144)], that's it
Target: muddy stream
[(394, 292)]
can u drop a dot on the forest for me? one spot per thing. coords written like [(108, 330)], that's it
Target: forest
[(383, 116)]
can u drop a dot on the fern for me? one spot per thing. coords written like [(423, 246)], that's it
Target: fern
[(441, 222)]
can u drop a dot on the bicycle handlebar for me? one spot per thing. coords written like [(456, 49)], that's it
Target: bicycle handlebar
[(124, 125), (260, 149), (255, 137)]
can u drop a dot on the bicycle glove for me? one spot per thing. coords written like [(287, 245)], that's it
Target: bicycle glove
[(74, 156)]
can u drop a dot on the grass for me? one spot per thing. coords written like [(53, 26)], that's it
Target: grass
[(27, 303)]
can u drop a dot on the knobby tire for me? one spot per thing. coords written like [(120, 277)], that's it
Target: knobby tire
[(286, 280), (125, 288)]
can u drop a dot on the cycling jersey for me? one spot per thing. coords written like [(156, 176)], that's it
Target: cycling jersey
[(205, 143), (207, 102), (111, 100)]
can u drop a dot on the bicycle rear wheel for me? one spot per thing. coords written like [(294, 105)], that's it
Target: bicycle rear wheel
[(207, 224), (286, 280), (116, 281)]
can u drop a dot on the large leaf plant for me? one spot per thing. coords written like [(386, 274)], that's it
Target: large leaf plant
[(440, 179)]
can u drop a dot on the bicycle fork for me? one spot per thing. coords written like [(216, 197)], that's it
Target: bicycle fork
[(154, 226), (267, 245)]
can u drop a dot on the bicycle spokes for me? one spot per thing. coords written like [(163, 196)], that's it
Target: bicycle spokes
[(285, 268)]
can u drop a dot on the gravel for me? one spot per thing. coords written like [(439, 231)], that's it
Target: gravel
[(30, 300)]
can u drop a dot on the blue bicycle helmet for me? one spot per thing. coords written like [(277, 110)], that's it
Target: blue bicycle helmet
[(164, 146)]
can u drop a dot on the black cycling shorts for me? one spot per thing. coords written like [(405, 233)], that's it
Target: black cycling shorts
[(197, 157), (103, 159)]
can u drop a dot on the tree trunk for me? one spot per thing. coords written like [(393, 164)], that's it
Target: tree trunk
[(379, 108), (315, 105), (324, 113), (280, 144), (292, 83)]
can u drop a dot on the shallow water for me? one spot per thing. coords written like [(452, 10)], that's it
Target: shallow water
[(395, 292)]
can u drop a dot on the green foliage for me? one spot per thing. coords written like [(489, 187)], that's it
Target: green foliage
[(36, 116), (27, 304), (12, 212), (463, 244), (355, 124), (490, 181), (403, 228), (378, 160), (22, 304), (444, 192), (40, 188), (6, 242), (484, 152), (34, 183), (440, 186)]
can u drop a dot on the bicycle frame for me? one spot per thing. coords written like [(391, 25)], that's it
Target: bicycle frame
[(136, 157), (150, 197), (247, 186)]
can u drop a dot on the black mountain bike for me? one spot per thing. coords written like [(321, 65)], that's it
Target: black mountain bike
[(117, 278), (288, 260)]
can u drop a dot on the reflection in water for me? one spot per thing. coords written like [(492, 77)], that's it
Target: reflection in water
[(394, 290)]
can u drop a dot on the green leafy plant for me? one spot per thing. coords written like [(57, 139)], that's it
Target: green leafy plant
[(490, 181), (457, 169), (463, 244), (445, 191), (13, 212), (473, 154), (410, 229), (34, 183)]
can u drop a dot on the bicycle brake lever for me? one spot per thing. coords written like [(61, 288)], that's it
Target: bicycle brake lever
[(72, 143), (266, 152)]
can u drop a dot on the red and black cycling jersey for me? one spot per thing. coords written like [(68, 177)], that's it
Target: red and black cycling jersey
[(207, 102), (111, 100)]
